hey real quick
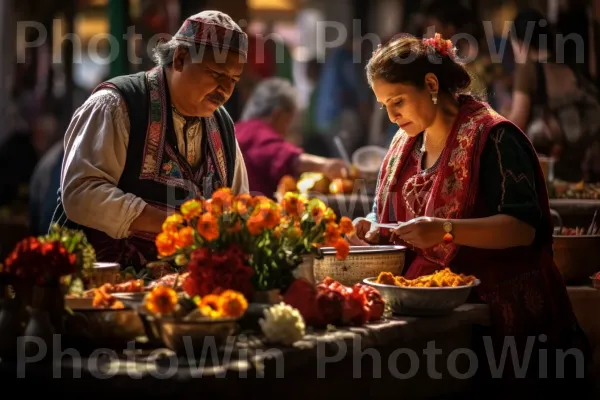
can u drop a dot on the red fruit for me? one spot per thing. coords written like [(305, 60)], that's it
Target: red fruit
[(328, 281), (302, 295), (330, 305), (375, 301), (356, 308), (376, 308)]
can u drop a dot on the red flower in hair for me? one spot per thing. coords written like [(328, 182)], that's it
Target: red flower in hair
[(439, 45)]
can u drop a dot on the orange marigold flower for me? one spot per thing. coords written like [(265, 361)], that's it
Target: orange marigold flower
[(242, 204), (185, 237), (292, 204), (165, 243), (210, 306), (317, 210), (342, 249), (172, 223), (222, 201), (208, 227), (232, 304), (269, 214), (255, 225), (332, 234), (192, 209), (161, 300), (346, 225)]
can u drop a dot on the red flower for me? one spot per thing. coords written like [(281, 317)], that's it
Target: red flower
[(439, 45), (210, 272), (40, 262)]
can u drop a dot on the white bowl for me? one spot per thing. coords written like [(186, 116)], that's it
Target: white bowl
[(423, 301), (368, 159)]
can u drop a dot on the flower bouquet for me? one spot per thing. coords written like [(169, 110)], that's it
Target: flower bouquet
[(40, 270), (51, 259), (248, 243)]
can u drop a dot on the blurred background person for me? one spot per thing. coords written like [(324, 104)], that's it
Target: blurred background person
[(262, 133), (343, 102), (552, 100)]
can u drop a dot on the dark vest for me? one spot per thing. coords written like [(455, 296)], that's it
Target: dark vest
[(154, 169), (159, 189)]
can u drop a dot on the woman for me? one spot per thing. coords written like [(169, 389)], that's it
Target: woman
[(469, 188)]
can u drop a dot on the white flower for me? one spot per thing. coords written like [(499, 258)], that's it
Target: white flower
[(282, 324)]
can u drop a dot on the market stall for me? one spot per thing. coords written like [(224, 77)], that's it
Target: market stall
[(273, 286), (246, 289)]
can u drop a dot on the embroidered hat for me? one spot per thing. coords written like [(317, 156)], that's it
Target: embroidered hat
[(215, 29)]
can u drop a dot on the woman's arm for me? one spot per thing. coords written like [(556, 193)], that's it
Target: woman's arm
[(496, 232), (507, 190)]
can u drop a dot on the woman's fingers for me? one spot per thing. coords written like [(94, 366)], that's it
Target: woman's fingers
[(354, 240)]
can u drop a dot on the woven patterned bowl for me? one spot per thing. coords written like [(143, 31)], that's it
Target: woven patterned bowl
[(362, 262), (422, 301)]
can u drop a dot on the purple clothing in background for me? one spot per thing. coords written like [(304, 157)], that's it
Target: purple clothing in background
[(267, 155)]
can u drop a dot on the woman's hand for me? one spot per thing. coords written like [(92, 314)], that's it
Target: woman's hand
[(363, 236), (422, 232)]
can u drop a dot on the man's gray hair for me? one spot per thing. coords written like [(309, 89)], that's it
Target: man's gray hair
[(269, 95), (164, 52)]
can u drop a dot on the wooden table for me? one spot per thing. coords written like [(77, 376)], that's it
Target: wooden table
[(380, 354)]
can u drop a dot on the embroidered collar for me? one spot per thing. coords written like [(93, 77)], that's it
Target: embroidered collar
[(186, 119)]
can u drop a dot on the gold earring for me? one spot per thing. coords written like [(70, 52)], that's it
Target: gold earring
[(434, 98)]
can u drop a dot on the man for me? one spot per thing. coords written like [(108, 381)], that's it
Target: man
[(143, 144), (261, 133)]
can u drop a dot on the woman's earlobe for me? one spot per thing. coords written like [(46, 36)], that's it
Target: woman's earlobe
[(431, 82)]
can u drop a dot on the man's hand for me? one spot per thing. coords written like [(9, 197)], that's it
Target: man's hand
[(335, 168)]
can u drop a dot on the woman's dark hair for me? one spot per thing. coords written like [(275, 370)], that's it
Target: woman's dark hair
[(407, 60), (530, 27)]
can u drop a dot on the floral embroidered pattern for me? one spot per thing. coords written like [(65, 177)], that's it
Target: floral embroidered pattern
[(175, 171), (171, 169)]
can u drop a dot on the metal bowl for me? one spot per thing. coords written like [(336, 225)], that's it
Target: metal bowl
[(577, 257), (422, 301), (185, 336), (101, 324), (362, 262)]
